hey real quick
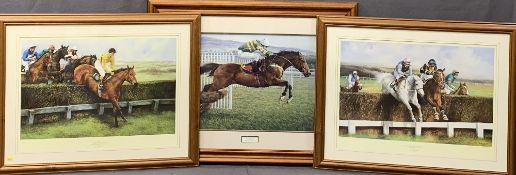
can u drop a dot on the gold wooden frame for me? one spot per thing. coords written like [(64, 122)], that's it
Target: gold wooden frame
[(101, 19), (254, 8), (408, 24)]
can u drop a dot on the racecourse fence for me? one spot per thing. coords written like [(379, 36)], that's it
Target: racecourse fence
[(233, 57), (384, 107), (100, 107), (418, 126)]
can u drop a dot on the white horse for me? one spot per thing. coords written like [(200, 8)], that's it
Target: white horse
[(406, 91)]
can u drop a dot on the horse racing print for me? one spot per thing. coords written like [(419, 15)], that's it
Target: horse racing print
[(264, 82), (98, 92), (403, 83), (100, 89), (416, 100)]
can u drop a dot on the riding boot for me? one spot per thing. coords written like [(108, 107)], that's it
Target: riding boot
[(101, 85), (394, 84)]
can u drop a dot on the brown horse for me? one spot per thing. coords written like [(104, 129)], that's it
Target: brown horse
[(228, 74), (462, 90), (356, 87), (83, 75), (432, 90), (38, 71), (67, 72)]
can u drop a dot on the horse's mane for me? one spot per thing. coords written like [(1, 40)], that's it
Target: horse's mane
[(121, 69), (93, 56)]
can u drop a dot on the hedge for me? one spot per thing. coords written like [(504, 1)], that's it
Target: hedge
[(383, 107), (44, 95)]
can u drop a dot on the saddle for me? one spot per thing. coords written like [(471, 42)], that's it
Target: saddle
[(100, 84), (256, 67), (248, 69)]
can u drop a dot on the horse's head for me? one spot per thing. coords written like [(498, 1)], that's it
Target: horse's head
[(439, 77), (131, 76), (61, 52), (298, 61), (46, 58), (463, 89), (91, 60), (357, 85), (417, 84)]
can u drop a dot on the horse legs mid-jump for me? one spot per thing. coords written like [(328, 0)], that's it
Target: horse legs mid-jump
[(225, 75)]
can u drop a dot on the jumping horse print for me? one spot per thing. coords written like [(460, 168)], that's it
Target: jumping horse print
[(228, 74)]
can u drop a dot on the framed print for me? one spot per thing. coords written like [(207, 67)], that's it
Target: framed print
[(415, 96), (94, 92), (257, 78)]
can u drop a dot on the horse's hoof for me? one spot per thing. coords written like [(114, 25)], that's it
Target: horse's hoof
[(436, 116), (445, 118), (282, 98), (420, 119), (290, 99)]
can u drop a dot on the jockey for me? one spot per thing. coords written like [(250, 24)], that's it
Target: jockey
[(106, 66), (448, 82), (403, 69), (28, 57), (51, 48), (427, 70), (248, 49), (352, 78), (72, 55)]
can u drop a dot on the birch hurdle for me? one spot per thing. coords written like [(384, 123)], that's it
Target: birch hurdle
[(449, 126), (67, 110)]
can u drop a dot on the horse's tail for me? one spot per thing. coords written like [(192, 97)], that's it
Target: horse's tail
[(211, 67)]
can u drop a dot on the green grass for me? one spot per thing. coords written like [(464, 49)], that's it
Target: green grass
[(458, 140), (260, 109), (89, 126), (475, 89), (153, 70)]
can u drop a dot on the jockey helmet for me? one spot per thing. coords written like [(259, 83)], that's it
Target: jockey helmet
[(431, 61), (32, 46), (455, 72), (407, 61), (73, 48), (355, 72), (112, 50), (265, 42)]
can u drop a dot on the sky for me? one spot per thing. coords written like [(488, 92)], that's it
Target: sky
[(127, 48), (292, 41), (476, 63)]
